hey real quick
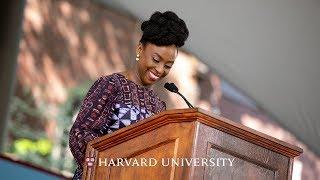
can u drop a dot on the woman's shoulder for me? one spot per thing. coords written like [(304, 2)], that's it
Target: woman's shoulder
[(110, 81), (109, 78)]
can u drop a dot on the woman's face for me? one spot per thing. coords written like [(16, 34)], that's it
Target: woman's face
[(155, 62)]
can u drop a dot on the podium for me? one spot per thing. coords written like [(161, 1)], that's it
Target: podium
[(188, 144)]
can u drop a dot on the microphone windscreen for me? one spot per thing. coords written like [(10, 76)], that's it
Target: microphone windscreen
[(168, 87), (174, 87), (171, 87)]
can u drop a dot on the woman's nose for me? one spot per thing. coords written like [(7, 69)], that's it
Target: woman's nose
[(159, 69)]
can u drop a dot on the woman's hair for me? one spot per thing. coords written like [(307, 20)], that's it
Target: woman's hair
[(163, 29)]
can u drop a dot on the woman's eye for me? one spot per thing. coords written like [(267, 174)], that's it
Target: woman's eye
[(168, 67), (155, 60)]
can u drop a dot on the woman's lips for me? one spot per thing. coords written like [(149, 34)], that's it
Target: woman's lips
[(152, 76)]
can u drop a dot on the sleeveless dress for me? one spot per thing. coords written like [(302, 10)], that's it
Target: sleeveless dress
[(112, 102)]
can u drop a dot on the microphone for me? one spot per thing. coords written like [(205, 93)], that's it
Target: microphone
[(173, 88)]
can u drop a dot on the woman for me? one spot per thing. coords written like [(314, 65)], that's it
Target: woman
[(123, 98)]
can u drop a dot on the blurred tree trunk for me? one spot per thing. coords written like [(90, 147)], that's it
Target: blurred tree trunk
[(11, 23)]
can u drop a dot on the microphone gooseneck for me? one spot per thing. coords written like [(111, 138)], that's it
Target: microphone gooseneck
[(173, 88)]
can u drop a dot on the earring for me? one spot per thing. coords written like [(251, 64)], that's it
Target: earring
[(138, 57)]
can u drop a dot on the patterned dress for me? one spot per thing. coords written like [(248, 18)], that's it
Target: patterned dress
[(112, 102)]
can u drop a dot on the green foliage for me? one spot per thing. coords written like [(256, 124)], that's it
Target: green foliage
[(64, 121), (26, 136), (23, 147), (26, 129), (27, 120), (69, 109)]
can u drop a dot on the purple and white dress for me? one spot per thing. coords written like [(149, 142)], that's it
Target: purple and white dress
[(112, 102)]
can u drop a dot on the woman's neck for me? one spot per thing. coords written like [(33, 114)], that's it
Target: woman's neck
[(133, 75)]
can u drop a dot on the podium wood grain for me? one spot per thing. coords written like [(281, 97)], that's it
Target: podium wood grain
[(190, 133)]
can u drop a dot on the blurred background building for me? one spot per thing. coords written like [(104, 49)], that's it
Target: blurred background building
[(54, 50)]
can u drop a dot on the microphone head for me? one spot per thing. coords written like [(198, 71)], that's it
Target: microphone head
[(171, 87), (174, 87)]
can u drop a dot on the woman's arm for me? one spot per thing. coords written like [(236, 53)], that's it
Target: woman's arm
[(98, 98), (163, 107)]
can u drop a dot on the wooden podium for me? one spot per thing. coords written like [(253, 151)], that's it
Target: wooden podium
[(175, 144)]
